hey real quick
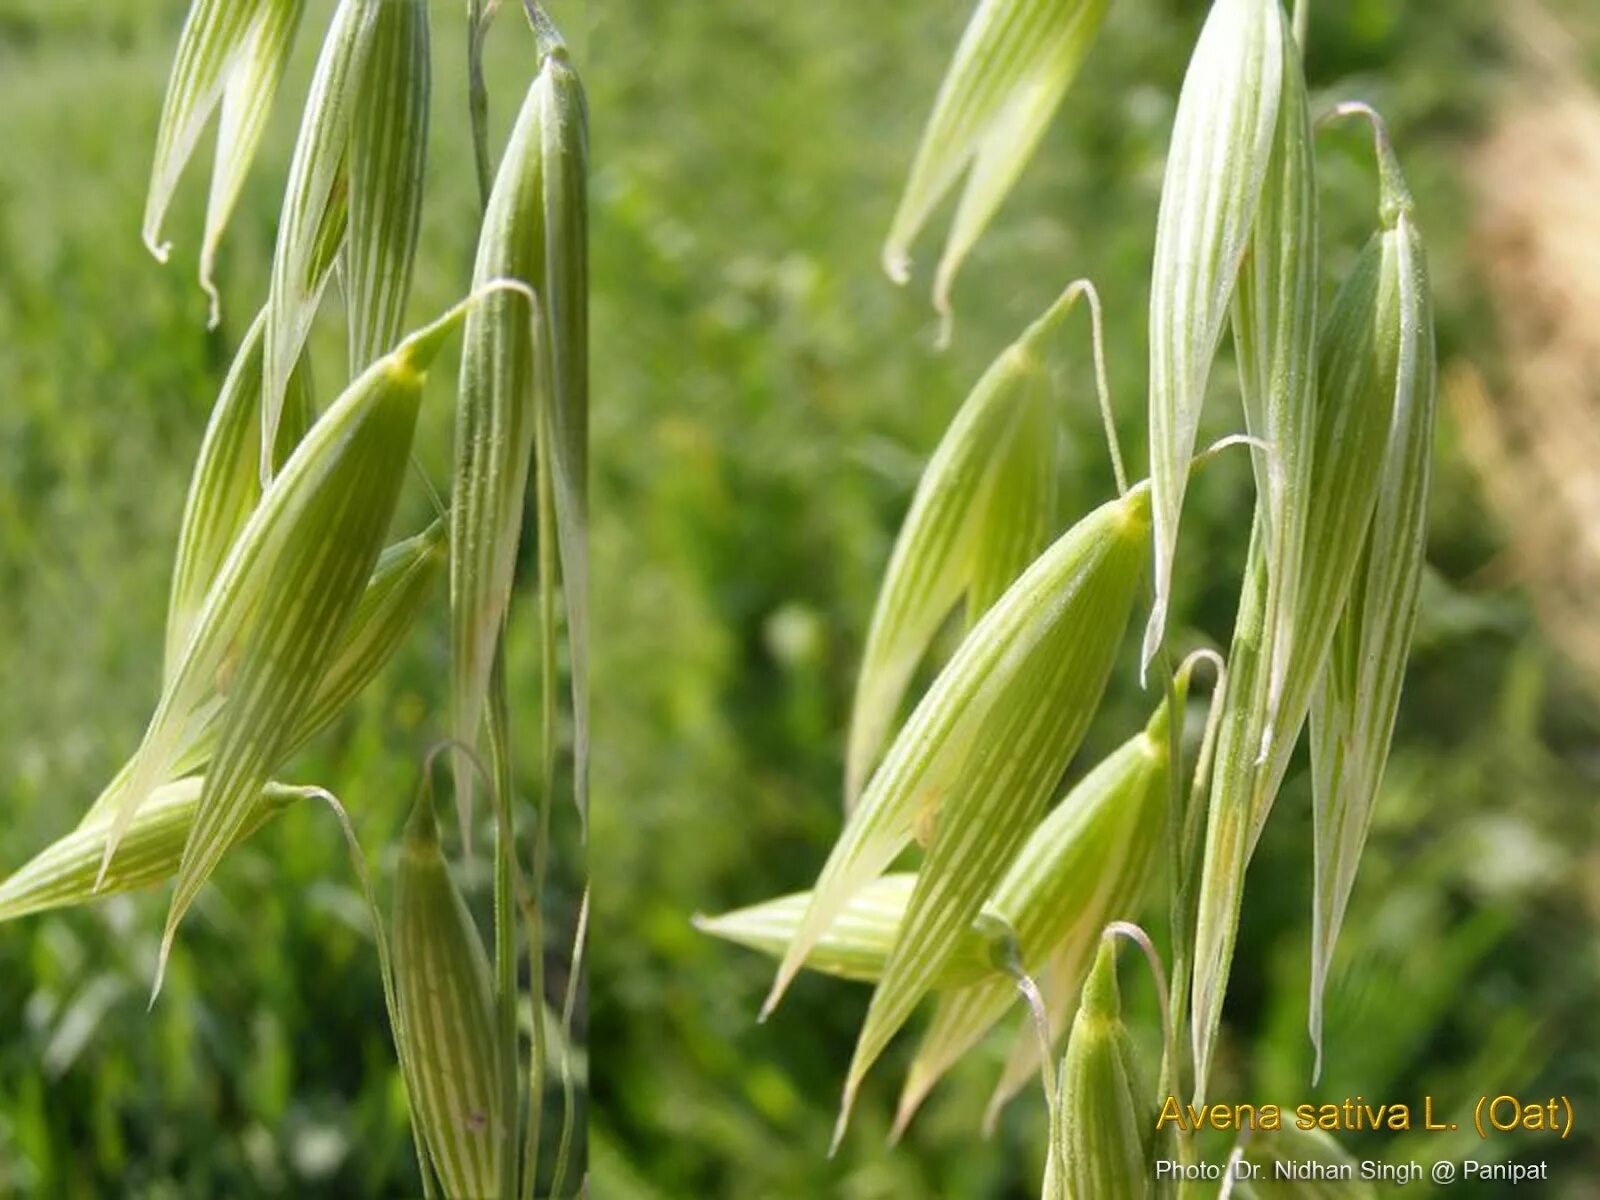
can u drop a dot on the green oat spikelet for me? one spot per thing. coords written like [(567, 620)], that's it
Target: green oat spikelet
[(394, 598), (1366, 352), (402, 583), (226, 484), (246, 103), (215, 35), (1216, 168), (1013, 65), (1108, 1122), (1090, 861), (444, 1007), (980, 755), (316, 201), (1066, 606), (1275, 337), (857, 944), (522, 381), (278, 607), (1353, 712), (64, 872), (978, 518)]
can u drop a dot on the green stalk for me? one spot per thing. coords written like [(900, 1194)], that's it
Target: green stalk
[(569, 1100), (1180, 900), (358, 861), (478, 97), (505, 915), (499, 715), (537, 1059)]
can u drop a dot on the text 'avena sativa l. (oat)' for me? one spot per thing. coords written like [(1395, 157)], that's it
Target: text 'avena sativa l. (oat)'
[(1013, 66)]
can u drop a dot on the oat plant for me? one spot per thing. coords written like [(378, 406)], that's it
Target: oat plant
[(292, 588), (959, 877)]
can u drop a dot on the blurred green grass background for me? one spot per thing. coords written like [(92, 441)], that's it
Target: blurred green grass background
[(265, 1068), (766, 401)]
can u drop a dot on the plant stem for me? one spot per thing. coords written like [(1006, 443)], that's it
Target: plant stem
[(537, 1060), (505, 915), (569, 1111), (499, 714), (358, 861), (478, 97), (1302, 16)]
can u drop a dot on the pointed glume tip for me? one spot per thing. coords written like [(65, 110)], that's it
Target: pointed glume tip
[(897, 265), (160, 251), (839, 1126)]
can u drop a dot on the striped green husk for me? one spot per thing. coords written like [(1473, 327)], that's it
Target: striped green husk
[(274, 615), (857, 944), (1216, 167), (1013, 65), (566, 312), (522, 380), (979, 514), (246, 102), (1275, 336), (311, 224), (317, 547), (1353, 713), (1360, 363), (215, 34), (1009, 143), (1064, 606), (396, 594), (389, 607), (1089, 862), (1107, 1120), (444, 1005), (226, 484), (388, 157), (64, 872), (984, 750), (496, 421)]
